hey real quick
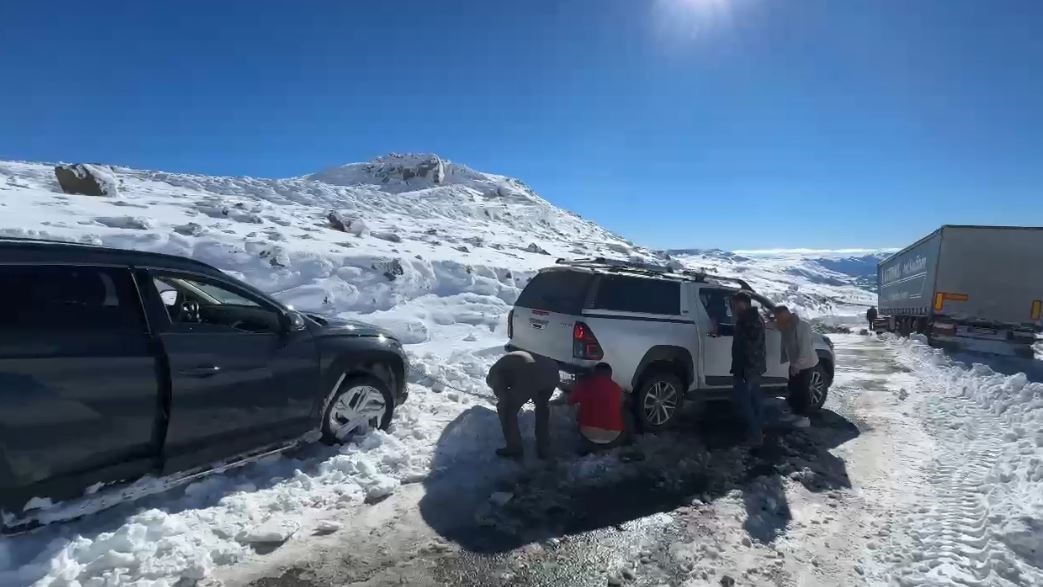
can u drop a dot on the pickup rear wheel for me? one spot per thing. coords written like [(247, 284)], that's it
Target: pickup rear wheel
[(818, 387), (357, 405), (659, 400)]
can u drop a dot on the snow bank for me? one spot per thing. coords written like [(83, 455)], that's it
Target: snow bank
[(1014, 485)]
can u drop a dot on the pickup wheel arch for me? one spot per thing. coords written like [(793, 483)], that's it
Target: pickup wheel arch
[(677, 358)]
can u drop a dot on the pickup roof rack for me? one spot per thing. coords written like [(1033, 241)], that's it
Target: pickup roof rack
[(650, 269)]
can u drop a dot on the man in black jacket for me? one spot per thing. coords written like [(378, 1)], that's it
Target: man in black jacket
[(748, 365)]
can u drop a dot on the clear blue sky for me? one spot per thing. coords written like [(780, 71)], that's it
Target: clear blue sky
[(711, 123)]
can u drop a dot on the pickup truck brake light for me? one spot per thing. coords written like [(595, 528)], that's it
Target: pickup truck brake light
[(584, 344)]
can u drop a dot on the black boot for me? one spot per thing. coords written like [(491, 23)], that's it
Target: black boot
[(508, 453)]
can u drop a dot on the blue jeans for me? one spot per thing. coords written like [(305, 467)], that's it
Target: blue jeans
[(748, 402)]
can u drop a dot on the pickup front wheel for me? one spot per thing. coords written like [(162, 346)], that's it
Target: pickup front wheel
[(659, 400), (358, 404)]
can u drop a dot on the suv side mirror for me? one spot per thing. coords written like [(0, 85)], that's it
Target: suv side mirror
[(293, 321)]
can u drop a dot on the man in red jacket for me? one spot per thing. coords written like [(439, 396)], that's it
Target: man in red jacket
[(600, 409)]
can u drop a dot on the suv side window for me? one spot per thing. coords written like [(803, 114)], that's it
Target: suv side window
[(636, 294), (197, 304), (69, 298)]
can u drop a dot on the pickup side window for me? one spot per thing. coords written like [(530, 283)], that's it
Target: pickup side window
[(717, 304), (198, 304), (69, 298), (637, 294)]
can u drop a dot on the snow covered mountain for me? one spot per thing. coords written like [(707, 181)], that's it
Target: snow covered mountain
[(833, 286), (430, 249), (380, 239)]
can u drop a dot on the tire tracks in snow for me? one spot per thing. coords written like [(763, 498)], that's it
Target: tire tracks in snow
[(952, 541)]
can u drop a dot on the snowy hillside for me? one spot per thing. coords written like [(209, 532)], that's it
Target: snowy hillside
[(432, 250), (835, 286)]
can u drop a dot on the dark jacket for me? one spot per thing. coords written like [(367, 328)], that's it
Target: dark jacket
[(524, 374), (871, 314), (748, 344)]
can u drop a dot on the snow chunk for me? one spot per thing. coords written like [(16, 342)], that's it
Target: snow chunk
[(387, 236), (500, 498), (327, 527), (128, 222), (272, 531), (38, 503), (190, 229)]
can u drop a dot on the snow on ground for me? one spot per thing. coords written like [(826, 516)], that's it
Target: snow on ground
[(432, 250), (982, 517)]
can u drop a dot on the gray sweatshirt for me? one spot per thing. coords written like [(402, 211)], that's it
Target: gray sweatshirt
[(798, 345)]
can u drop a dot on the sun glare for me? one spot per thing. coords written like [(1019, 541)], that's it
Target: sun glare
[(691, 19)]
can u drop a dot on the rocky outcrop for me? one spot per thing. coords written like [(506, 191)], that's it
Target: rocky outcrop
[(344, 223), (85, 179), (397, 173)]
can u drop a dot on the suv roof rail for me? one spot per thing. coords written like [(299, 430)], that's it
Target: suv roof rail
[(615, 263), (650, 269)]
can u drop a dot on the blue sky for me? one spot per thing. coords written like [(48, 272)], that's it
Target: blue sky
[(709, 123)]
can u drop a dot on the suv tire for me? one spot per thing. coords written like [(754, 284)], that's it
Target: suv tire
[(818, 387), (356, 396), (659, 399)]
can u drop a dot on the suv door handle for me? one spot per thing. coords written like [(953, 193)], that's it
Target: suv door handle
[(201, 371)]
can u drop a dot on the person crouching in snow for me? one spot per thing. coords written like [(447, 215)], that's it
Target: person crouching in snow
[(600, 400), (516, 378)]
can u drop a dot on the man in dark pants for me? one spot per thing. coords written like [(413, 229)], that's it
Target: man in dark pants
[(516, 378), (748, 365), (871, 315), (798, 349)]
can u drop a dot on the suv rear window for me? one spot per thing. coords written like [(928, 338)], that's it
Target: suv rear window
[(69, 298), (562, 292), (635, 294)]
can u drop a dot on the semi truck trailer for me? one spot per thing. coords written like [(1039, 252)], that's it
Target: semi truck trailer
[(964, 285)]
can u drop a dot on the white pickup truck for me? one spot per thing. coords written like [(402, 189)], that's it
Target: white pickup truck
[(666, 333)]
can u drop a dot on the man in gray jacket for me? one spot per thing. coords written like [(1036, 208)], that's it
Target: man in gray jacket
[(516, 378), (798, 349)]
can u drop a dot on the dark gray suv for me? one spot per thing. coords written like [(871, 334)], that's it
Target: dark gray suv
[(116, 364)]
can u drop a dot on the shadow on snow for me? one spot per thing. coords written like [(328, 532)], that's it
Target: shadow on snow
[(700, 459)]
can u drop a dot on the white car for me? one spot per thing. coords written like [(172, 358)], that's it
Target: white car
[(666, 333)]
